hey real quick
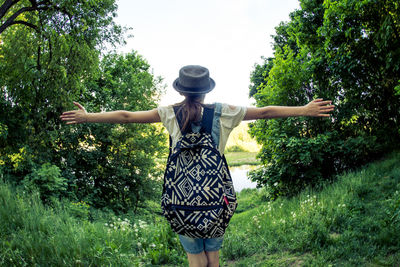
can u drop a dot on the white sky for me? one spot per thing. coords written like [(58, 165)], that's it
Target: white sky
[(226, 36)]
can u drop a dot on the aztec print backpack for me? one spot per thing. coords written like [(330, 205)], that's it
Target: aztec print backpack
[(198, 198)]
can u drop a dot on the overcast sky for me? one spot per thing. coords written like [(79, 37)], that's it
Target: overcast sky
[(226, 36)]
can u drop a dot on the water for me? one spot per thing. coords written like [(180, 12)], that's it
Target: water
[(239, 177)]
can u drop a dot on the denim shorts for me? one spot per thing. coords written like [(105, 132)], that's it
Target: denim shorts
[(198, 245)]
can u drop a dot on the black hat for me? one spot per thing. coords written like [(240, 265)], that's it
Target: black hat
[(194, 79)]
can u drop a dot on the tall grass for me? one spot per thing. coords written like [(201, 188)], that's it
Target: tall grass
[(354, 221), (34, 235), (351, 222)]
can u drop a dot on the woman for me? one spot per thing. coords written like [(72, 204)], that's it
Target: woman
[(194, 83)]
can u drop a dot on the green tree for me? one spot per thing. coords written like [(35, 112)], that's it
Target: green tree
[(56, 52), (114, 165), (42, 69), (344, 50)]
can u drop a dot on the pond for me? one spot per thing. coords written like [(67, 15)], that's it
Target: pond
[(239, 177)]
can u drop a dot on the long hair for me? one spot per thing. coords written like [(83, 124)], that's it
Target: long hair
[(190, 110)]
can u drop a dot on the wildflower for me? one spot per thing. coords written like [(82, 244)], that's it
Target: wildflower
[(153, 245)]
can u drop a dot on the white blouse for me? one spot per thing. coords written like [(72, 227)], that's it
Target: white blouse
[(231, 116)]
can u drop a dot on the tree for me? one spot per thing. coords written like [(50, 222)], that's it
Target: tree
[(42, 70), (347, 51), (56, 56), (115, 165)]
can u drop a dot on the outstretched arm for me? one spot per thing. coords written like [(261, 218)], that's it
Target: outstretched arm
[(120, 116), (316, 108)]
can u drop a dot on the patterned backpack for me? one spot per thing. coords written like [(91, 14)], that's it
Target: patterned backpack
[(198, 198)]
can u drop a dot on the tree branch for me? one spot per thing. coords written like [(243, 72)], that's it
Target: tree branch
[(11, 19), (20, 22), (6, 6)]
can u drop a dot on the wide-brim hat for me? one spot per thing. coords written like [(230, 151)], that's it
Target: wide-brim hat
[(194, 79)]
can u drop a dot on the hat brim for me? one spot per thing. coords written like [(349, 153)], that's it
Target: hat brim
[(193, 91)]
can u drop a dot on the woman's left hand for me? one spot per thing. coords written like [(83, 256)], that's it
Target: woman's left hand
[(75, 116)]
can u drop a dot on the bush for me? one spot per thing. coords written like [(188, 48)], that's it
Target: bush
[(235, 148), (294, 163), (47, 180), (79, 210)]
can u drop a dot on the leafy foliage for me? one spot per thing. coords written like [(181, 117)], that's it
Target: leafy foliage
[(63, 58), (47, 180), (346, 51), (114, 165)]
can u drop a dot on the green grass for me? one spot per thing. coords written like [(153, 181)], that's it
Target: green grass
[(354, 221), (241, 138), (241, 158), (34, 235)]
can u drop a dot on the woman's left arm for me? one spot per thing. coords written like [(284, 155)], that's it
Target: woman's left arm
[(120, 116), (316, 108)]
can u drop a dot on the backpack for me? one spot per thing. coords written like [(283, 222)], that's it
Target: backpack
[(198, 198)]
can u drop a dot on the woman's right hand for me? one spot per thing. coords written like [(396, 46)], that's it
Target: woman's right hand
[(75, 116)]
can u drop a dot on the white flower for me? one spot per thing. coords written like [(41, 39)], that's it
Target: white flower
[(153, 245)]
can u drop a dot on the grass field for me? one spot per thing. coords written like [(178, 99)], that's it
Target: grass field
[(354, 221), (241, 158)]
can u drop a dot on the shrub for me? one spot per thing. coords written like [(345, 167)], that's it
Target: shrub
[(79, 210), (294, 163), (47, 180), (235, 148)]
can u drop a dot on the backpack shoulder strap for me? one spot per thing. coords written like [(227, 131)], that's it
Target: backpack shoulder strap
[(216, 123), (207, 120)]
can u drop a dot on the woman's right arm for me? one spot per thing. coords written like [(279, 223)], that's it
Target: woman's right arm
[(121, 116)]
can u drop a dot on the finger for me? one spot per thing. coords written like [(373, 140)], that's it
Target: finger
[(71, 122), (327, 108), (68, 112), (324, 115), (79, 105), (324, 102), (67, 119), (67, 116), (318, 100)]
